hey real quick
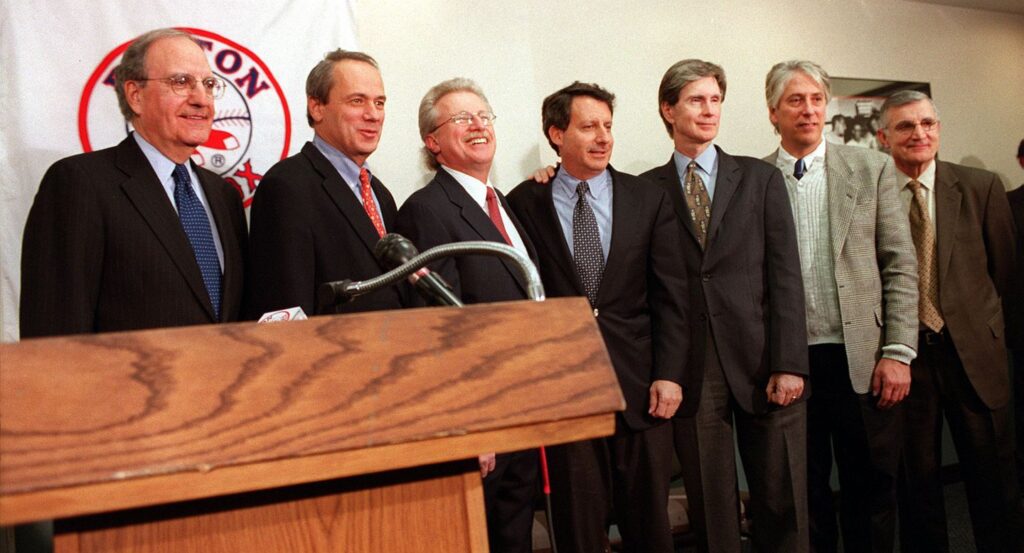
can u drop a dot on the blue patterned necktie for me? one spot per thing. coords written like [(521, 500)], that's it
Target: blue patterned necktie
[(799, 169), (197, 228), (586, 245)]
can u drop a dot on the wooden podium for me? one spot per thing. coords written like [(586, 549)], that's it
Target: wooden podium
[(345, 433)]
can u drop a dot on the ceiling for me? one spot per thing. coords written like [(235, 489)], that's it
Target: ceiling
[(1007, 6)]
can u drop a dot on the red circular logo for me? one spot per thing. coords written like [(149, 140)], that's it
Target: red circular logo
[(251, 125)]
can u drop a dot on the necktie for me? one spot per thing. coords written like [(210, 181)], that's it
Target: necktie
[(367, 196), (197, 228), (586, 244), (698, 201), (799, 169), (495, 213), (928, 270)]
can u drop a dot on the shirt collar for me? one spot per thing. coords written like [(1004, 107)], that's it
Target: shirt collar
[(927, 178), (476, 188), (343, 164), (565, 184), (161, 164), (787, 160), (705, 161)]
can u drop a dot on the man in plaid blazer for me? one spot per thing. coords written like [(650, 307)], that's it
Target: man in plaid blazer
[(860, 284)]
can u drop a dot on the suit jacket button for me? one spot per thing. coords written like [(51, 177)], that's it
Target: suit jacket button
[(595, 312)]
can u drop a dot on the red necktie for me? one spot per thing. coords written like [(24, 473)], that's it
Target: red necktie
[(495, 212), (368, 205)]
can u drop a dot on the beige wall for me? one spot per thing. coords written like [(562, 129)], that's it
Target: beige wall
[(521, 51)]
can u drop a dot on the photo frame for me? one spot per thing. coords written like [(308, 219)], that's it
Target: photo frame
[(852, 114)]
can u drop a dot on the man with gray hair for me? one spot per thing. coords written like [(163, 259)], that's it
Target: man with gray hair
[(964, 236), (860, 285), (460, 203), (318, 214), (138, 235), (748, 363)]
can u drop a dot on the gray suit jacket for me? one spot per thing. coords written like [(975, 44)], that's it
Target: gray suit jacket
[(873, 252), (974, 228)]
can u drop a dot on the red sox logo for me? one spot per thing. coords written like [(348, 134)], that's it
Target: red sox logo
[(251, 125)]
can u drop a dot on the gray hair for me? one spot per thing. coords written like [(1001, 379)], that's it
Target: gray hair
[(321, 77), (428, 110), (902, 98), (681, 74), (133, 64), (781, 73)]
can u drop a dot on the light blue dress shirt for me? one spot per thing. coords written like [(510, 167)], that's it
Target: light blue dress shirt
[(348, 170), (563, 193), (707, 168)]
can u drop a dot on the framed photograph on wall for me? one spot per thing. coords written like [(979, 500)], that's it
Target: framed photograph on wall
[(852, 114)]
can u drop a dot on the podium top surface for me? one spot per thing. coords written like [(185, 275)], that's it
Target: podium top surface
[(275, 404)]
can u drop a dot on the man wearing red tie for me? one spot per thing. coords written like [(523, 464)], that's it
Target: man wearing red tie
[(317, 215), (459, 204)]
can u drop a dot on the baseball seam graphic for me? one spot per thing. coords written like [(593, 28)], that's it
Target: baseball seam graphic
[(233, 117)]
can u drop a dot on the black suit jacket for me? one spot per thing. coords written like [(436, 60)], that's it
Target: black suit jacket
[(1014, 304), (443, 212), (643, 290), (751, 293), (307, 228), (104, 249), (975, 243)]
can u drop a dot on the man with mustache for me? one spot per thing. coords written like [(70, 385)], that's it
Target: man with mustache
[(460, 203), (613, 238), (137, 236), (860, 289), (318, 214)]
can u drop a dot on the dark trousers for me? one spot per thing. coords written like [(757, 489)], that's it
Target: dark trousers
[(866, 441), (509, 494), (773, 447), (625, 476), (1017, 355), (984, 446)]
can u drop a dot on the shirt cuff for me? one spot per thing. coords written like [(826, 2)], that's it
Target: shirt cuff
[(899, 352)]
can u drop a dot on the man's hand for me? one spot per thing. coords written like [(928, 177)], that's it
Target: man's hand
[(784, 389), (890, 382), (665, 398), (487, 461), (544, 174)]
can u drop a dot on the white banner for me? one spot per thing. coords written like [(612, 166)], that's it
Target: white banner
[(56, 89)]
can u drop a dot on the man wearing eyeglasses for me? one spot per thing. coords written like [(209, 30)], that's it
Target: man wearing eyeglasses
[(460, 203), (138, 236), (318, 214), (963, 233)]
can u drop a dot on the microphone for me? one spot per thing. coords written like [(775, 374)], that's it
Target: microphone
[(394, 250)]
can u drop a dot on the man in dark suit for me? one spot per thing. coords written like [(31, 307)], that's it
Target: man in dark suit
[(749, 354), (136, 236), (860, 289), (964, 237), (612, 237), (460, 204), (317, 215)]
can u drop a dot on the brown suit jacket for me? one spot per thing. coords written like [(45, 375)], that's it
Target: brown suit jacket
[(975, 235)]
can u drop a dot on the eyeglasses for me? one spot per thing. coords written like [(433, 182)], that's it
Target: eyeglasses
[(908, 127), (183, 84), (464, 118)]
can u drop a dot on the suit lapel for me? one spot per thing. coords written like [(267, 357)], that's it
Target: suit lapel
[(144, 190), (342, 197), (947, 210), (725, 187), (668, 177), (624, 209), (477, 219), (842, 197), (546, 219)]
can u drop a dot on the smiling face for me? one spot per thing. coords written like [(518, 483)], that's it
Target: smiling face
[(911, 151), (695, 116), (466, 148), (353, 117), (800, 115), (585, 146), (174, 124)]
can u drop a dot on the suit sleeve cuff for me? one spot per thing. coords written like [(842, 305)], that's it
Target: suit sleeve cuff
[(899, 352)]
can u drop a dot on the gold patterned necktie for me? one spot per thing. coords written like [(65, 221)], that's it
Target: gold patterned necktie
[(928, 270), (698, 201)]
